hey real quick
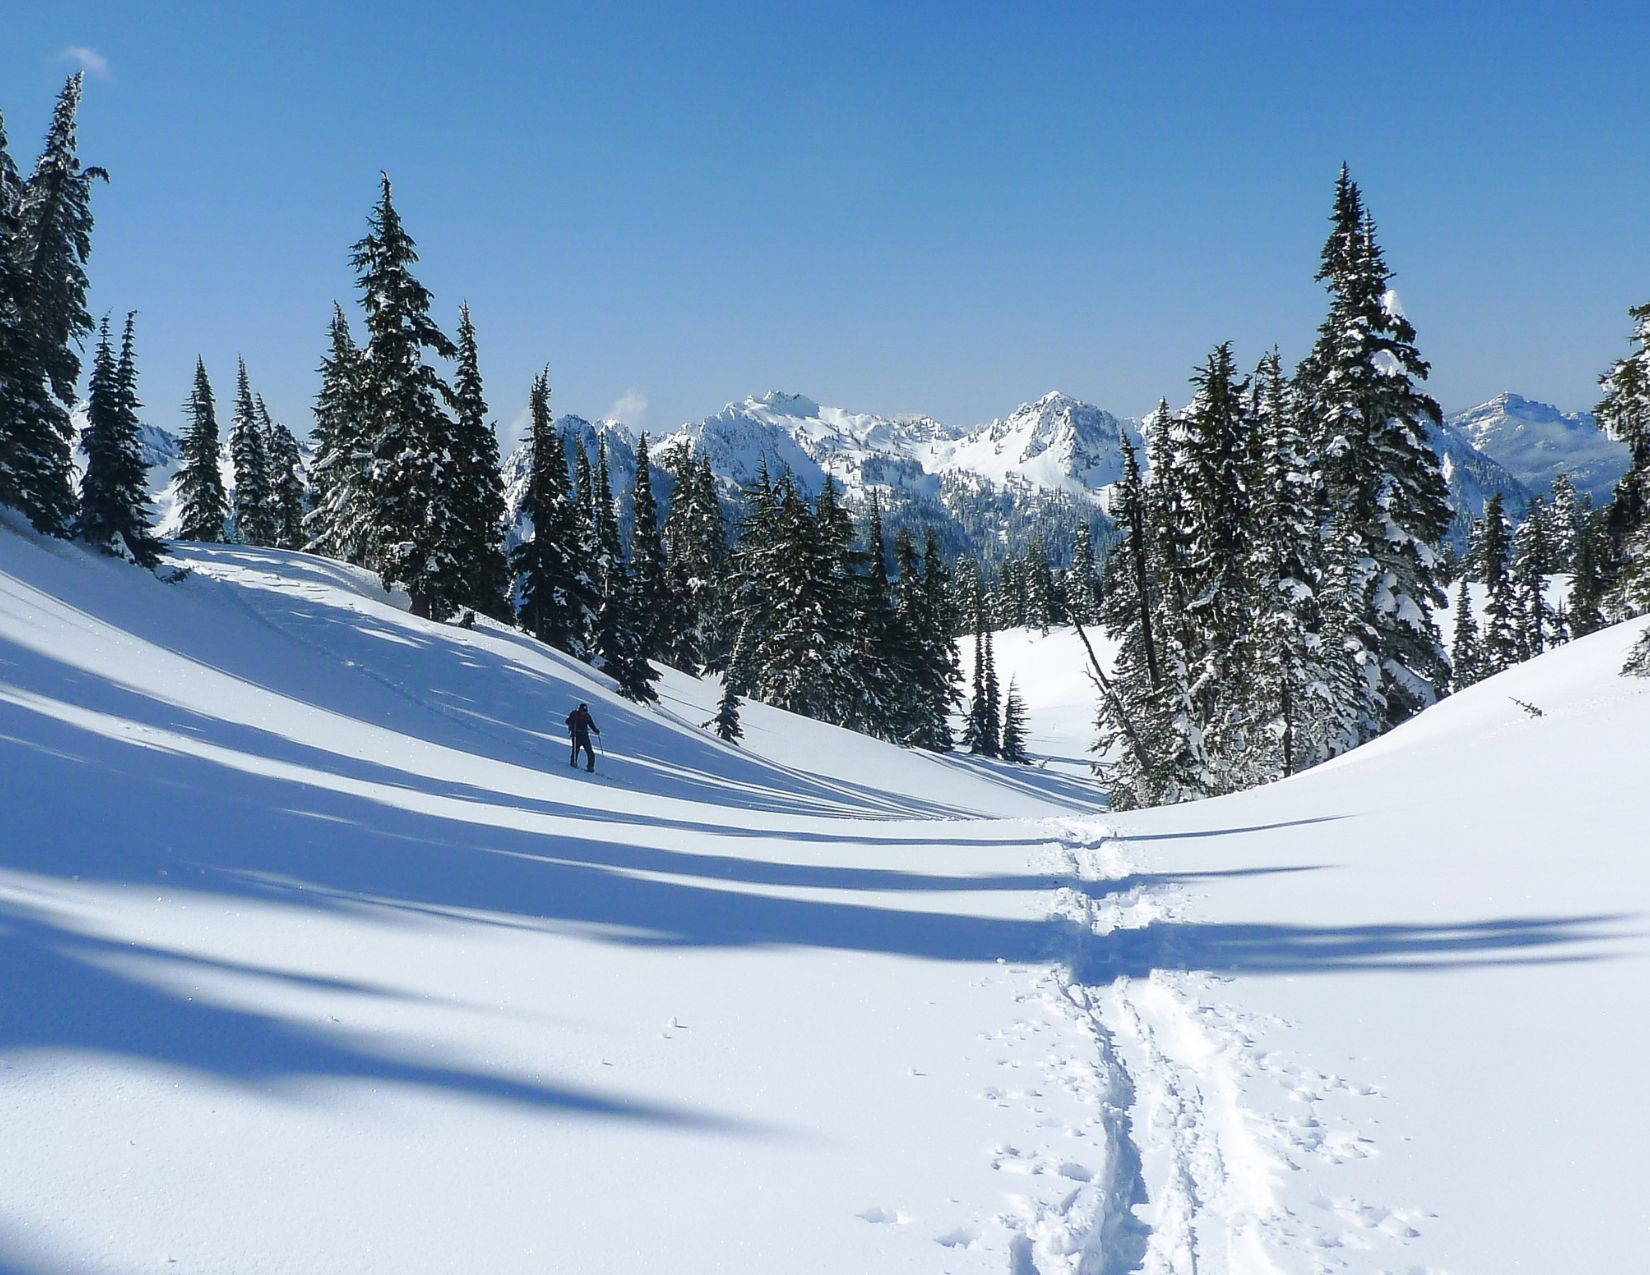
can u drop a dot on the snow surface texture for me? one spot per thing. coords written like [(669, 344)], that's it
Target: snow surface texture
[(319, 959)]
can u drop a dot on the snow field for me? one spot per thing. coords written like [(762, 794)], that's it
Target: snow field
[(320, 959)]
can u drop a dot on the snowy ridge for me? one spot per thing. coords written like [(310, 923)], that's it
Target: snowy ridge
[(1536, 442)]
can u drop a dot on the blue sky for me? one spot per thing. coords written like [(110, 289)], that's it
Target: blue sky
[(891, 207)]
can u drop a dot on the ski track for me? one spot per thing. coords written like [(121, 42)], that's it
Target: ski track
[(1187, 1153)]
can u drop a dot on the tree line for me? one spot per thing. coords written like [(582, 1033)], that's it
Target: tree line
[(1270, 587)]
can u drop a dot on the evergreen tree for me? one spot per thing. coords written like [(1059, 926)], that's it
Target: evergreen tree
[(649, 565), (801, 657), (48, 243), (552, 588), (1624, 413), (1128, 611), (620, 637), (1360, 386), (973, 737), (1500, 648), (1289, 683), (1041, 597), (253, 499), (1212, 444), (1588, 582), (114, 501), (1082, 582), (1465, 656), (991, 713), (477, 485), (1531, 564), (1014, 727), (339, 521), (412, 530), (286, 481), (200, 479), (1564, 518), (934, 618), (726, 722), (697, 567), (16, 378)]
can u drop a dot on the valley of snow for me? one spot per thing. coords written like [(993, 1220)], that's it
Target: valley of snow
[(320, 958)]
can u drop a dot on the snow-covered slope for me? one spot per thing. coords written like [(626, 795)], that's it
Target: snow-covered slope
[(1536, 442), (318, 958), (1389, 1015), (1057, 443)]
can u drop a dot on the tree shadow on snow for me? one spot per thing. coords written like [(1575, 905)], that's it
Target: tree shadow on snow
[(195, 810)]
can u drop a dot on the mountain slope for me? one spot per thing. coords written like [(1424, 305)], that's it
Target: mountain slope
[(1536, 442)]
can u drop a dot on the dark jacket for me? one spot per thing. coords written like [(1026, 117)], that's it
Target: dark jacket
[(580, 723)]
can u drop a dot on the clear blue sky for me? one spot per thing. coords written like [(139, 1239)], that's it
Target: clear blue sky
[(892, 207)]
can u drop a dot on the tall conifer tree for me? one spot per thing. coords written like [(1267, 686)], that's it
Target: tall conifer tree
[(1360, 386), (413, 535), (477, 486), (205, 505), (114, 499), (254, 497), (49, 242), (339, 521)]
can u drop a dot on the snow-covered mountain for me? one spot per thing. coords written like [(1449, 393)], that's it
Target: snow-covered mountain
[(1536, 442), (1058, 443), (1041, 470), (1473, 478)]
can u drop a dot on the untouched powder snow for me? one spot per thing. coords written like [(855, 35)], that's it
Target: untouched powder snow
[(319, 958)]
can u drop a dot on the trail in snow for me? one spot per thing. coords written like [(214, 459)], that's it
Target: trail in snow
[(311, 938)]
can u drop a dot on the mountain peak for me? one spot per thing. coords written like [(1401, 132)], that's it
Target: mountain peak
[(788, 404)]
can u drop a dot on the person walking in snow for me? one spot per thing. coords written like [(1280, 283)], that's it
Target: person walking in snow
[(579, 725)]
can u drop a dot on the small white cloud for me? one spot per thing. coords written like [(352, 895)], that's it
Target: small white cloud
[(87, 59), (513, 434), (630, 408)]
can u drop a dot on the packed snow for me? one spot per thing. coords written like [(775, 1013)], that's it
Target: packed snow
[(320, 958)]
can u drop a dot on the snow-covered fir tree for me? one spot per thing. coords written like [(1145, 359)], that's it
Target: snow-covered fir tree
[(1013, 746), (48, 241), (649, 566), (696, 552), (286, 481), (1589, 581), (1080, 589), (339, 521), (1359, 387), (1500, 648), (253, 496), (201, 496), (554, 600), (476, 484), (1623, 412), (16, 375), (726, 722), (1288, 682), (1465, 655), (114, 499), (1532, 563), (411, 499)]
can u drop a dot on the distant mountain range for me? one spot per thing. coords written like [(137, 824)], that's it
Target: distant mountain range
[(1044, 469)]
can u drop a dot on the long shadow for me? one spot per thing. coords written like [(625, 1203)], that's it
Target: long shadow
[(204, 827), (380, 675)]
